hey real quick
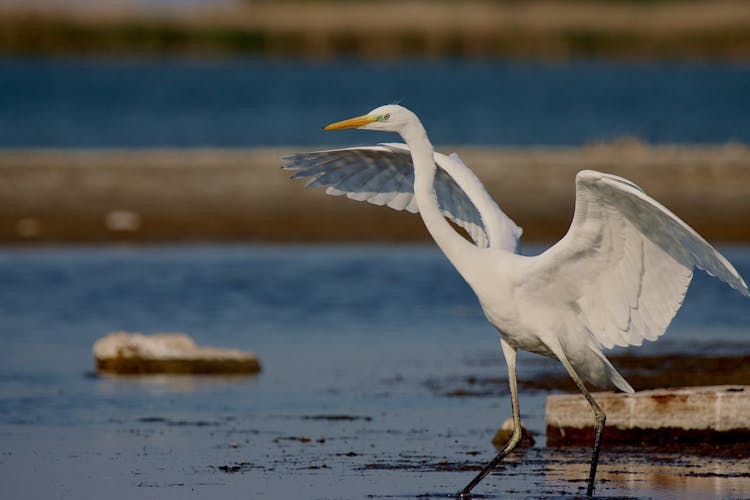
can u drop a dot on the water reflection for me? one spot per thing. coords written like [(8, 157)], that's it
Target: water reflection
[(662, 474), (164, 384)]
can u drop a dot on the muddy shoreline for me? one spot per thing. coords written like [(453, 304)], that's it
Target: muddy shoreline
[(641, 371), (166, 195)]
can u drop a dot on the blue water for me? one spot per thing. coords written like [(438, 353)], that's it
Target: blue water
[(340, 330), (251, 102), (55, 302)]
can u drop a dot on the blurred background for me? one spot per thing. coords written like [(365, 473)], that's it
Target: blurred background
[(141, 190), (163, 120)]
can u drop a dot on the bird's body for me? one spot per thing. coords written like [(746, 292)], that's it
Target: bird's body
[(618, 276)]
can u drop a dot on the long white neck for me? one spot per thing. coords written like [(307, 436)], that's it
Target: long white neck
[(453, 245)]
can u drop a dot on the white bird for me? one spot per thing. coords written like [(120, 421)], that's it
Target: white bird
[(617, 277)]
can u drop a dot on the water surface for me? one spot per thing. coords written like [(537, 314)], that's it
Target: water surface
[(253, 102), (353, 341)]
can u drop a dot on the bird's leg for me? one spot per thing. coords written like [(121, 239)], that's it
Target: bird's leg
[(600, 417), (510, 359)]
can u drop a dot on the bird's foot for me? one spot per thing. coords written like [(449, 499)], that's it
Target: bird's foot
[(463, 495)]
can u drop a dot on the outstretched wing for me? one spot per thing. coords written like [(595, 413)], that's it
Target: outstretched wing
[(626, 262), (384, 175)]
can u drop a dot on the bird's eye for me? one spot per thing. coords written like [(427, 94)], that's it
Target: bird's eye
[(387, 116)]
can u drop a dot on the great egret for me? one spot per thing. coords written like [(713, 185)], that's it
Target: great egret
[(617, 277)]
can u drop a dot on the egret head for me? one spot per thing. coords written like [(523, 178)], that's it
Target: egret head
[(388, 118)]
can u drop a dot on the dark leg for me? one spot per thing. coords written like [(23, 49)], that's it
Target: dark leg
[(510, 359), (600, 417)]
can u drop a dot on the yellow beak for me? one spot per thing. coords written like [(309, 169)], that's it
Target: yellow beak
[(359, 121)]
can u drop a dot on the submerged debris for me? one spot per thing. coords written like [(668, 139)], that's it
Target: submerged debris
[(348, 418), (240, 467)]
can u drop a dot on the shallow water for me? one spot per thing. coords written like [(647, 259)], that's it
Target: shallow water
[(354, 341)]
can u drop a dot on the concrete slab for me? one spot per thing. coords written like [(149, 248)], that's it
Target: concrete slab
[(134, 353), (695, 415)]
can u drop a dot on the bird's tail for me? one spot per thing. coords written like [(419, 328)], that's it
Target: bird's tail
[(614, 376)]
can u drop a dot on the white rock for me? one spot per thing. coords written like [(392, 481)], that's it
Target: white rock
[(503, 435), (123, 352)]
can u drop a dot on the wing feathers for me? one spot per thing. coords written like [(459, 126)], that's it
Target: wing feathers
[(384, 175), (634, 260), (666, 230)]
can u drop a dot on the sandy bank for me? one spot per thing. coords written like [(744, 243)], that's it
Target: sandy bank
[(213, 194)]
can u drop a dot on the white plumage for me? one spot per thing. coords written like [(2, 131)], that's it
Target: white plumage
[(617, 277), (384, 175)]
